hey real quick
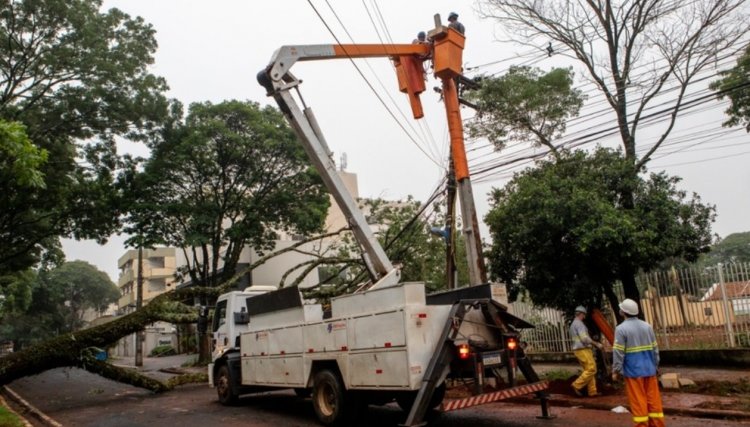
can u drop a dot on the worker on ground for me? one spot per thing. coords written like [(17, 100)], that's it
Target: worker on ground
[(582, 343), (453, 19), (636, 357)]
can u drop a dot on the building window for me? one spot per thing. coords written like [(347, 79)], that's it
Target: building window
[(156, 285)]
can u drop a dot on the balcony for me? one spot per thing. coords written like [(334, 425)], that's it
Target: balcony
[(126, 276), (126, 300)]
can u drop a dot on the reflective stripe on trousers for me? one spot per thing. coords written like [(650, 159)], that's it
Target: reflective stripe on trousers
[(645, 401)]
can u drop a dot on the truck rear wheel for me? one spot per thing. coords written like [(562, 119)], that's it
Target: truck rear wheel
[(329, 398), (226, 394)]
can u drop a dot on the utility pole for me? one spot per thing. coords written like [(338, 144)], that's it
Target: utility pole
[(450, 226), (138, 305)]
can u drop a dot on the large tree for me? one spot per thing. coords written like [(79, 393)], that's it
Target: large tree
[(735, 85), (74, 348), (735, 248), (561, 232), (525, 104), (76, 78), (639, 54), (231, 175)]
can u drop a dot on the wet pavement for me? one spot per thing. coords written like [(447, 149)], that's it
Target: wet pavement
[(74, 397)]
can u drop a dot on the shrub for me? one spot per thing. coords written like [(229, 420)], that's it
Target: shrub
[(163, 350)]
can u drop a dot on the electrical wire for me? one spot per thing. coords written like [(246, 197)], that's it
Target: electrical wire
[(372, 88)]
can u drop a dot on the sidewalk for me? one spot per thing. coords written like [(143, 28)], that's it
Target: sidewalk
[(675, 402)]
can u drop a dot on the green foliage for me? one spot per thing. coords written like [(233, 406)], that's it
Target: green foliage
[(558, 375), (58, 301), (20, 160), (735, 248), (232, 175), (409, 243), (560, 230), (735, 85), (163, 350), (406, 237), (525, 104), (70, 74)]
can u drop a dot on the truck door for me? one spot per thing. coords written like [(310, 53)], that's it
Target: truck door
[(220, 328)]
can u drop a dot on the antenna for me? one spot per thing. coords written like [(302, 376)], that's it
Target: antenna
[(343, 161)]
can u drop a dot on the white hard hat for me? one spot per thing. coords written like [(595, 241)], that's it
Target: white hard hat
[(628, 306), (581, 309)]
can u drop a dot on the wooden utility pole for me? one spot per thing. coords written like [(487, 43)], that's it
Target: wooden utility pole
[(138, 305)]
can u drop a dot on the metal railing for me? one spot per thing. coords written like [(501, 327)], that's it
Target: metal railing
[(692, 308)]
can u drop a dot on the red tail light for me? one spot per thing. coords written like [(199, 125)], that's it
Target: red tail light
[(511, 343), (464, 351)]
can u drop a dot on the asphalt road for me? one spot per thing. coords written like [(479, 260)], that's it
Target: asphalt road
[(74, 397)]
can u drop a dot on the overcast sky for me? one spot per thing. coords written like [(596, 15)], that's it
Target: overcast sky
[(212, 50)]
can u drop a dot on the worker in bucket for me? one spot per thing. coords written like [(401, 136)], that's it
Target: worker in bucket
[(582, 343), (636, 358), (453, 23)]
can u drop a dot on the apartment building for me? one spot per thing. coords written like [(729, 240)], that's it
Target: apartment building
[(159, 266)]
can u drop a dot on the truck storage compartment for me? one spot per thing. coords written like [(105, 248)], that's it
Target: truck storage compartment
[(378, 300), (382, 368)]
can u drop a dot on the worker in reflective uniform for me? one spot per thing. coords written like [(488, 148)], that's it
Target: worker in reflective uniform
[(582, 343), (636, 357)]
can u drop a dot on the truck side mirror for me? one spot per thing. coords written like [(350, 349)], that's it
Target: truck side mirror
[(241, 318)]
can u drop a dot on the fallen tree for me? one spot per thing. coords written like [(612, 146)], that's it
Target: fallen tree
[(75, 349)]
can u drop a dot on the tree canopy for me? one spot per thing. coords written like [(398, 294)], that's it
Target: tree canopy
[(734, 248), (405, 233), (560, 230), (735, 85), (642, 56), (76, 78), (231, 175), (525, 104)]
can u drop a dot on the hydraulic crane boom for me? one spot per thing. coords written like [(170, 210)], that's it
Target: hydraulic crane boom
[(446, 52)]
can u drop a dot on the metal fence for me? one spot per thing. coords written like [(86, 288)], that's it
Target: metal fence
[(693, 308)]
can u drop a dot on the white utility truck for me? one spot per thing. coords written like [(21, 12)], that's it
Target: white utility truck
[(389, 341)]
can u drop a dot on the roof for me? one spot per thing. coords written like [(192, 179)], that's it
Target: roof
[(733, 290)]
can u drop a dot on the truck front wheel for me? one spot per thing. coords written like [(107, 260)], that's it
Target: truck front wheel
[(329, 398), (226, 394)]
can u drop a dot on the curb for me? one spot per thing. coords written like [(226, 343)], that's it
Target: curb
[(46, 420), (692, 412)]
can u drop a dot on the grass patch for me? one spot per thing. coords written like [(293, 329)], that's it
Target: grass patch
[(192, 378), (8, 418), (557, 374)]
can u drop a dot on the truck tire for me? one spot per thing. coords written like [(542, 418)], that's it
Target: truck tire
[(224, 388), (330, 399)]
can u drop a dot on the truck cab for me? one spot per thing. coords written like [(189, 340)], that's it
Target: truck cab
[(231, 318)]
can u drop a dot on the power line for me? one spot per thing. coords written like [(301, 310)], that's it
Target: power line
[(372, 88)]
